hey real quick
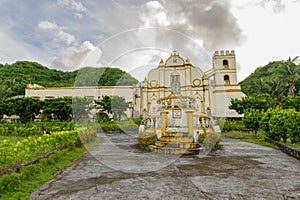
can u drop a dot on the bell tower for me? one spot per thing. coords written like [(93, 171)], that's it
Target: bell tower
[(224, 84), (224, 64)]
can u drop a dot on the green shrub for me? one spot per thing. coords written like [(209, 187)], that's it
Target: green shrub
[(137, 121), (252, 119), (232, 125), (210, 140), (281, 124), (145, 139), (34, 128)]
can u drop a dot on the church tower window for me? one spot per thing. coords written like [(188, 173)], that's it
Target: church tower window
[(226, 80), (225, 64)]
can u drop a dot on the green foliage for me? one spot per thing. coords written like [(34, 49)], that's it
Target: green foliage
[(103, 118), (264, 122), (104, 76), (291, 102), (137, 121), (210, 140), (81, 108), (249, 137), (118, 106), (115, 105), (34, 128), (258, 102), (20, 185), (12, 154), (124, 125), (58, 108), (146, 139), (110, 126), (54, 109), (105, 104), (26, 108), (274, 79), (252, 119), (201, 137), (281, 124), (14, 77), (231, 124)]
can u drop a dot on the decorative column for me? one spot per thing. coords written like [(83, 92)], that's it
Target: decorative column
[(189, 117), (164, 122)]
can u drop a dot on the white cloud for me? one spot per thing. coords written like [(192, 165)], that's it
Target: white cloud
[(66, 37), (60, 33), (157, 12), (71, 58), (46, 25), (72, 4)]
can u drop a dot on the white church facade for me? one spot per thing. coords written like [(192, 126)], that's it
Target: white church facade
[(209, 91)]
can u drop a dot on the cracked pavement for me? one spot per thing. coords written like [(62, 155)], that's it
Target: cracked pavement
[(118, 169)]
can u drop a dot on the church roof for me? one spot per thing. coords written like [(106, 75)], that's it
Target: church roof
[(175, 60)]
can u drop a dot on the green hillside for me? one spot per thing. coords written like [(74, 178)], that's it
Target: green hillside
[(275, 78), (14, 77)]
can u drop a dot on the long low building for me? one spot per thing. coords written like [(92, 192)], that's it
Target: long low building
[(212, 90)]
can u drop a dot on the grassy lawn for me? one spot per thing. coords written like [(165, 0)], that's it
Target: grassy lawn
[(257, 138), (296, 145), (20, 185)]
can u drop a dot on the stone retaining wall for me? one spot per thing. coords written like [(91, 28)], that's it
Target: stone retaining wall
[(284, 148)]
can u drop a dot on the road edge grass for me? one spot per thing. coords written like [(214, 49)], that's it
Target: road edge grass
[(19, 185), (258, 138)]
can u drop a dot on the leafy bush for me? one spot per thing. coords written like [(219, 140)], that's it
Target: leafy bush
[(137, 121), (281, 124), (119, 125), (210, 140), (34, 128), (31, 147), (232, 125), (252, 119), (146, 139)]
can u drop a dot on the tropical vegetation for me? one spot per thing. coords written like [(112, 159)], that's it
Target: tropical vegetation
[(277, 79), (14, 77)]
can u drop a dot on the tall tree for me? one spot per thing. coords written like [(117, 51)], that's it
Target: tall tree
[(115, 105), (81, 108), (59, 108), (26, 108), (290, 73), (118, 106), (105, 104)]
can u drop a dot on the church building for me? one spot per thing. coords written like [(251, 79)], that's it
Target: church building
[(209, 92)]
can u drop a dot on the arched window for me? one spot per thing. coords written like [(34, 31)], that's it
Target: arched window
[(225, 64), (226, 80)]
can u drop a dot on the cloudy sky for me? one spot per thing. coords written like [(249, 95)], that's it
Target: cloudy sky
[(135, 34)]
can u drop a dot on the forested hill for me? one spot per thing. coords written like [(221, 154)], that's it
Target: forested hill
[(14, 77), (275, 78)]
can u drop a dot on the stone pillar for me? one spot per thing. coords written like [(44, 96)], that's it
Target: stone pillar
[(189, 118), (164, 122)]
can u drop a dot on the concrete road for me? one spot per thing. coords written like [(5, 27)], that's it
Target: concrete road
[(118, 169)]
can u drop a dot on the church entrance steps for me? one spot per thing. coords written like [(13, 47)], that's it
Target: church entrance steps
[(176, 143), (178, 134), (172, 150), (177, 139), (183, 145)]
